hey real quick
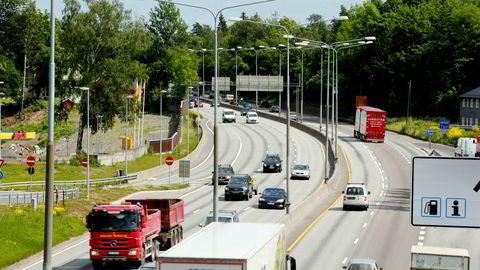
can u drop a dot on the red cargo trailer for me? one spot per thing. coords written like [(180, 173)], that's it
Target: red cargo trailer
[(133, 231), (370, 124)]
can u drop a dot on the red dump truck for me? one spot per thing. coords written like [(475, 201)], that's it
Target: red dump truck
[(133, 231), (370, 124)]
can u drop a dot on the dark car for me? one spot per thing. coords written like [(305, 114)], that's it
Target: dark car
[(244, 110), (275, 108), (225, 172), (240, 185), (272, 197), (272, 163)]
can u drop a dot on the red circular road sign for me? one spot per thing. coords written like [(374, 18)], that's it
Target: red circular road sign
[(84, 163), (30, 161), (169, 160)]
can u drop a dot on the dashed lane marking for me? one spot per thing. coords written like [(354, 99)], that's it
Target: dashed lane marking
[(365, 225), (355, 242)]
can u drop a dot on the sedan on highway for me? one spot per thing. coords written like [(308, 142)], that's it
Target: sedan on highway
[(362, 264), (300, 171), (272, 197), (252, 118), (272, 163), (275, 108)]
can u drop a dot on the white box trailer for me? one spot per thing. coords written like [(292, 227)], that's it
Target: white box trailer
[(231, 246), (439, 258)]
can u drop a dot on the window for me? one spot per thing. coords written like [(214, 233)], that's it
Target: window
[(463, 121), (471, 103), (478, 101), (463, 103), (476, 121), (471, 121)]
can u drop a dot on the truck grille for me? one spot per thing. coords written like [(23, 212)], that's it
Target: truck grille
[(118, 244)]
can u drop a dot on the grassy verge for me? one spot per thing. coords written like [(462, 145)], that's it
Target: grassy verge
[(21, 228), (19, 173), (418, 128)]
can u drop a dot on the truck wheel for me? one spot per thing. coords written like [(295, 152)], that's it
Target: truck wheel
[(181, 233), (256, 191), (97, 265), (246, 197), (227, 198)]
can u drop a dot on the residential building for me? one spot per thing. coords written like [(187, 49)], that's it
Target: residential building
[(470, 108)]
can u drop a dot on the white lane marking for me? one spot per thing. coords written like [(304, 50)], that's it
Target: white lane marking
[(196, 211), (422, 232), (378, 203), (365, 225), (61, 251), (420, 244), (191, 192), (239, 149), (355, 242), (345, 260), (381, 193), (383, 185), (371, 213), (423, 228), (421, 238), (246, 208)]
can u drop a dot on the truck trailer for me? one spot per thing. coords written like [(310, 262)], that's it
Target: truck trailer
[(370, 124), (439, 258), (231, 246), (133, 231)]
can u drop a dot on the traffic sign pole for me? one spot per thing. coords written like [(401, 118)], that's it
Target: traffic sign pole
[(169, 173)]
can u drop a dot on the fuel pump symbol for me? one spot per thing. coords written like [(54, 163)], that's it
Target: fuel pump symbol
[(430, 207)]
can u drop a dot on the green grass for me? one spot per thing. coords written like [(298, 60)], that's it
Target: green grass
[(21, 228), (19, 173), (418, 128)]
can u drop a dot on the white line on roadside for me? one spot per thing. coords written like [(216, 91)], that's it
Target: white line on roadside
[(246, 208), (420, 244), (381, 193), (422, 232), (196, 211), (191, 192), (423, 228), (61, 251), (421, 238), (371, 213), (239, 149), (365, 225), (355, 242), (345, 260)]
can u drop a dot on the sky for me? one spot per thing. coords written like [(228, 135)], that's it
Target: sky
[(299, 10)]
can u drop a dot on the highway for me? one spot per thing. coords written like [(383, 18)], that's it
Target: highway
[(384, 232), (244, 146)]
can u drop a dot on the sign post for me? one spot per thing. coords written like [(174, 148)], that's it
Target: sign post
[(430, 134), (184, 169), (31, 163), (445, 192), (169, 161)]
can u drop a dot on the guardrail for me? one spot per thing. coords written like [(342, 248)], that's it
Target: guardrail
[(59, 195), (73, 183)]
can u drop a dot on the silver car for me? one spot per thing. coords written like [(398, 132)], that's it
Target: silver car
[(300, 171), (362, 264), (355, 195)]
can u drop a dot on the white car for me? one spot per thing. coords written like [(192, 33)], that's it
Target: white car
[(228, 116), (252, 118), (301, 171), (355, 196)]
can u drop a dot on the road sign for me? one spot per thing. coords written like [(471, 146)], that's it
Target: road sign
[(30, 161), (31, 170), (84, 163), (2, 175), (169, 160), (444, 126), (431, 132), (1, 162), (184, 168), (445, 192)]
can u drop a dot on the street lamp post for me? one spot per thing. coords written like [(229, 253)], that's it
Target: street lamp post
[(88, 138), (188, 119), (215, 126), (256, 73), (126, 130), (98, 117), (287, 36), (1, 128)]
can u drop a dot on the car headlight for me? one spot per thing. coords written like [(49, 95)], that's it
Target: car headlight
[(228, 177), (132, 252), (281, 200), (261, 199), (94, 253), (244, 188), (226, 188), (278, 164), (264, 165)]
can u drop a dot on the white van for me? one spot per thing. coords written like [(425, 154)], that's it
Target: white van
[(467, 147), (229, 97), (228, 116)]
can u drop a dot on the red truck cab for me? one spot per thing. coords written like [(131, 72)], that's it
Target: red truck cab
[(132, 232)]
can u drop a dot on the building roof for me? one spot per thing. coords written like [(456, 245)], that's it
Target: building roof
[(225, 240), (370, 109), (475, 93)]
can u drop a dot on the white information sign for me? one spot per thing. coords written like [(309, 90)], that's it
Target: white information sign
[(445, 192)]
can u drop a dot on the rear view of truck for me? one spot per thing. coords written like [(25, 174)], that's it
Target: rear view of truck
[(370, 124), (439, 258)]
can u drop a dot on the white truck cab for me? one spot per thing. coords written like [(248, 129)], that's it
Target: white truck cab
[(228, 116), (467, 147)]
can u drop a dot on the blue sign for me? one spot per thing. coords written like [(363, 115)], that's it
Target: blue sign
[(444, 126), (431, 132), (2, 175)]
